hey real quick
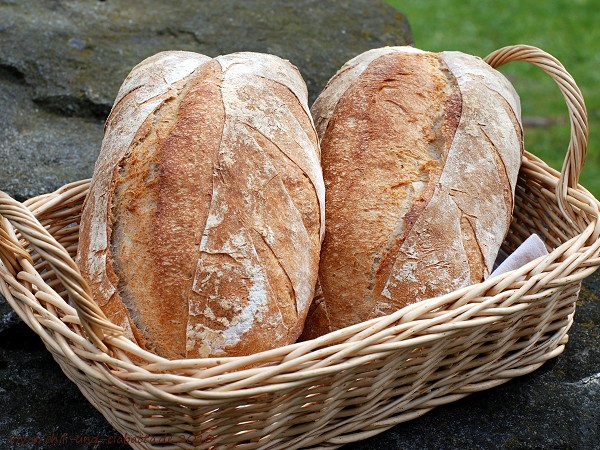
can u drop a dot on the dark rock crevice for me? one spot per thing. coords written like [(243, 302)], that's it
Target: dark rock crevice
[(71, 106), (11, 74)]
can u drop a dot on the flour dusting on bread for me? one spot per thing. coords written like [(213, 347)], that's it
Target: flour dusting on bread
[(202, 229)]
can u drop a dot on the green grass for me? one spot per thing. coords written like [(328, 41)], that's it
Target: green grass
[(567, 29)]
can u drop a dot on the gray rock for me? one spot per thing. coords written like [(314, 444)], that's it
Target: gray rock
[(62, 62), (8, 317), (40, 406), (40, 150)]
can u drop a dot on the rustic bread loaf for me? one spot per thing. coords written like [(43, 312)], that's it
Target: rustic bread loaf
[(202, 228), (420, 156)]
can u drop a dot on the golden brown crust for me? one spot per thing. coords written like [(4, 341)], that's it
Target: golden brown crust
[(407, 215), (260, 246), (148, 86), (377, 165), (215, 222), (159, 203)]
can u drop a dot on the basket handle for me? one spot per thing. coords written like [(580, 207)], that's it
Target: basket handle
[(576, 153), (14, 256)]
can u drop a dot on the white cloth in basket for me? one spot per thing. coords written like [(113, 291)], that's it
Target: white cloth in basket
[(532, 248)]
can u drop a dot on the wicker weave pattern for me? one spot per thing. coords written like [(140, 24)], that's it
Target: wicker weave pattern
[(342, 387)]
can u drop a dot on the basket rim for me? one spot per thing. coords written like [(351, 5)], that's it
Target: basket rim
[(581, 256), (580, 211)]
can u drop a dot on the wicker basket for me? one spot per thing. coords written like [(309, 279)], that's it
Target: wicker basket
[(345, 386)]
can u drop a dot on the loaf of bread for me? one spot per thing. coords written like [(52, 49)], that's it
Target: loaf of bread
[(201, 232), (420, 156)]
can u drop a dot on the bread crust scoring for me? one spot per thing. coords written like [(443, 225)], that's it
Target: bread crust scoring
[(202, 229), (420, 154)]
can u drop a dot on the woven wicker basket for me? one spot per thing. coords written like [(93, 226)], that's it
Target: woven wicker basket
[(342, 387)]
